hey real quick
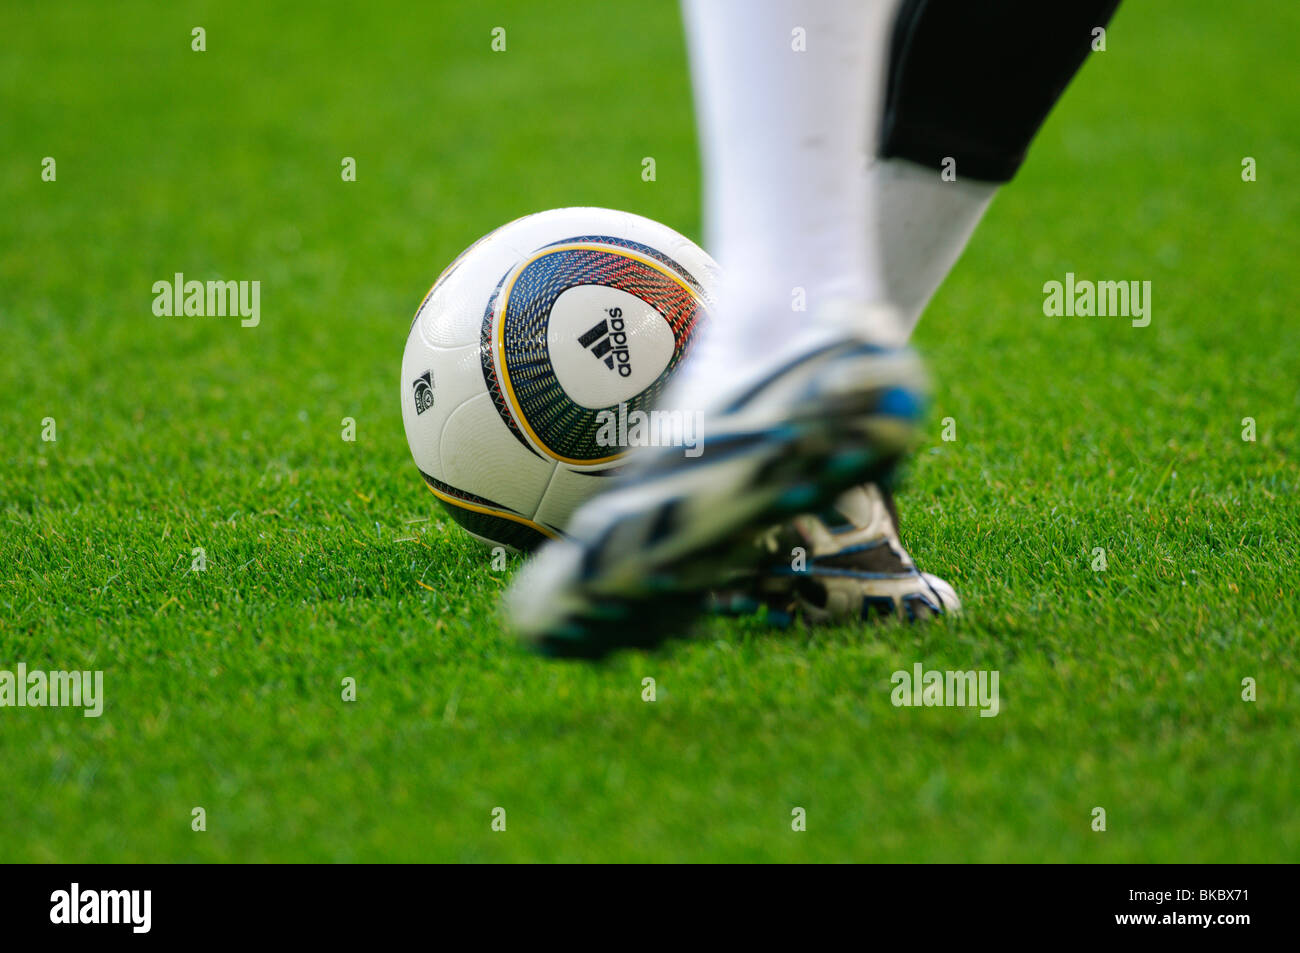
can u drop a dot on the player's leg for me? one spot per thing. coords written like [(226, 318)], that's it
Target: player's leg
[(968, 87), (788, 99), (844, 564), (799, 402)]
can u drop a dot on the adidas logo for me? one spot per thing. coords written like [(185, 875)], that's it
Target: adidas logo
[(608, 341)]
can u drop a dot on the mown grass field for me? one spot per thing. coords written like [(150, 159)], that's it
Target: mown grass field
[(1120, 689)]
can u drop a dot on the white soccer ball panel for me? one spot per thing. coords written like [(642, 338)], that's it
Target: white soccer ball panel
[(454, 376), (569, 488), (499, 468)]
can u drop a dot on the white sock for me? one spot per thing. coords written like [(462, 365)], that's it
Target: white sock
[(787, 137), (922, 223), (800, 214)]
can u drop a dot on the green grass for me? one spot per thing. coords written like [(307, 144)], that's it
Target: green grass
[(1120, 689)]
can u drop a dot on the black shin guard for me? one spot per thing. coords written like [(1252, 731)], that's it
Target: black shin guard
[(975, 80)]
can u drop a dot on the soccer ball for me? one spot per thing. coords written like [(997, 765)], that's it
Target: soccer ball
[(526, 343)]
